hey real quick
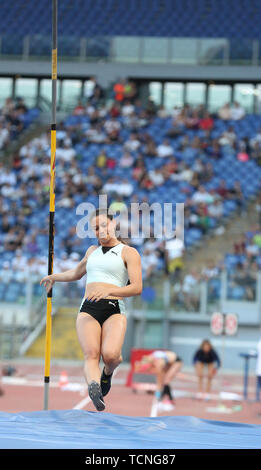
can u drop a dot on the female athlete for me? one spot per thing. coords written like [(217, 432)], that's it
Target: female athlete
[(165, 365), (113, 272)]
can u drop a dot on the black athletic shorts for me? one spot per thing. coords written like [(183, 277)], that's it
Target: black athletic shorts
[(102, 309)]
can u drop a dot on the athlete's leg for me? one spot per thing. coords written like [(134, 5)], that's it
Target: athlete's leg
[(172, 372), (89, 335), (112, 338), (160, 370), (211, 368), (199, 366)]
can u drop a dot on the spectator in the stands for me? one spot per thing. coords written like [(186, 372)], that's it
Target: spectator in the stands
[(95, 92), (150, 148), (115, 110), (175, 131), (240, 245), (174, 253), (184, 173), (236, 194), (119, 90), (207, 173), (117, 204), (139, 170), (192, 120), (4, 135), (79, 109), (165, 149), (112, 128), (237, 112), (130, 91), (127, 108), (162, 112), (207, 122), (66, 152), (132, 144), (228, 137), (125, 187), (149, 261), (150, 108), (200, 218), (6, 273), (202, 196), (127, 160), (225, 112), (256, 140), (252, 250), (156, 176), (216, 209), (210, 271), (191, 290), (95, 134), (242, 277)]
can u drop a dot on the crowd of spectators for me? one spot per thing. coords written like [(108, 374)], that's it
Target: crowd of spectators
[(24, 189), (242, 267), (11, 120)]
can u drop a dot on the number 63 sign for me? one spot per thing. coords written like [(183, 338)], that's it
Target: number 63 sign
[(224, 323)]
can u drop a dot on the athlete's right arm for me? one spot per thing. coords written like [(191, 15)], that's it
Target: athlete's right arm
[(68, 276)]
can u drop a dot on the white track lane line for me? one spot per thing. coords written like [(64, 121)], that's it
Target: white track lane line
[(154, 409), (82, 403)]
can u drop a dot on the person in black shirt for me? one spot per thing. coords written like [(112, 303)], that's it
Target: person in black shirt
[(204, 357)]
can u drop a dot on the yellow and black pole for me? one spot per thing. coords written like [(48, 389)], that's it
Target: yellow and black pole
[(48, 332)]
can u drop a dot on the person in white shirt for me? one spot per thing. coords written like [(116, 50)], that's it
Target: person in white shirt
[(237, 112), (228, 137), (4, 136), (174, 250), (216, 209), (156, 177), (256, 140), (125, 187), (202, 196), (19, 261), (126, 160), (149, 262), (111, 186), (66, 153), (7, 176), (164, 150), (132, 144), (127, 109), (185, 173), (191, 290), (6, 274), (252, 249), (225, 112), (112, 128)]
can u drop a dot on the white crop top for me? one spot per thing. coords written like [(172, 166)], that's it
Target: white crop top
[(107, 267)]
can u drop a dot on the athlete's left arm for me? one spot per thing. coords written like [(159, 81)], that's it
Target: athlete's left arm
[(132, 259)]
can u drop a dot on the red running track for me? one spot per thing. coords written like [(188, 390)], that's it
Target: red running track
[(24, 392)]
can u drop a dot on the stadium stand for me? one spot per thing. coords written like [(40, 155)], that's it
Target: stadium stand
[(147, 18), (209, 163)]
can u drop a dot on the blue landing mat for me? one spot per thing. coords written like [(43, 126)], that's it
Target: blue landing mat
[(78, 429)]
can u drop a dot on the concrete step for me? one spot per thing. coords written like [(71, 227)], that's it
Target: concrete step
[(215, 246), (64, 341)]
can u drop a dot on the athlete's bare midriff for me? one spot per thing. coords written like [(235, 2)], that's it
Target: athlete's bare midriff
[(92, 286)]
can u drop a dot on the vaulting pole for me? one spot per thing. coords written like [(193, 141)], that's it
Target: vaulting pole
[(48, 332)]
